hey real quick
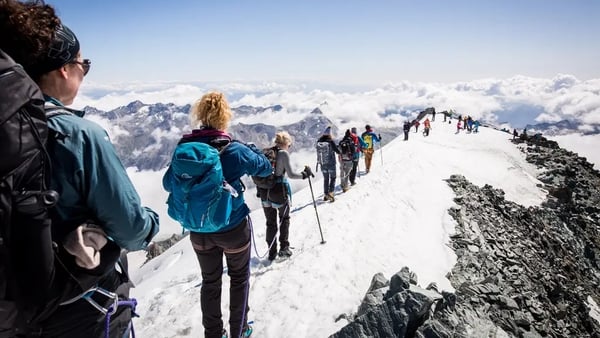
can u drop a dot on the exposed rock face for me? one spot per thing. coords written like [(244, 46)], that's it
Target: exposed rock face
[(520, 272), (395, 308), (157, 248)]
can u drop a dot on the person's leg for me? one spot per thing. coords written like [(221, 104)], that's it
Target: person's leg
[(284, 226), (325, 181), (353, 172), (346, 168), (210, 258), (271, 217), (343, 175), (368, 158), (332, 178), (238, 269)]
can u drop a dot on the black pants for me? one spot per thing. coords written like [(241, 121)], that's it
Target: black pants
[(81, 319), (209, 248), (353, 171), (284, 227)]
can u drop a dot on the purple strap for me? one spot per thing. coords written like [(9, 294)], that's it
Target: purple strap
[(132, 303)]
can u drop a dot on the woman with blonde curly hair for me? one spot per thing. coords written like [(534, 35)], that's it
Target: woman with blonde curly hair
[(211, 116), (212, 110), (276, 200)]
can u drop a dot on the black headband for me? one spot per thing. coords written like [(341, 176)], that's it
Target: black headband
[(64, 49)]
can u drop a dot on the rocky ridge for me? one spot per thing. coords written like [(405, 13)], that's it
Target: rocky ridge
[(520, 272)]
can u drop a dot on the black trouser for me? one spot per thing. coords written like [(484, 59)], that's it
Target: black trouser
[(81, 319), (284, 226), (209, 248), (353, 171)]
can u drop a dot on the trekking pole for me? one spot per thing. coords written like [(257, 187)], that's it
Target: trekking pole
[(317, 213), (381, 153)]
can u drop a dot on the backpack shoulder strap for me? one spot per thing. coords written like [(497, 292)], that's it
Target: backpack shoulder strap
[(276, 150)]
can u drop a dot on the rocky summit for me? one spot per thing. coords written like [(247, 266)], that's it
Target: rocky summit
[(520, 272)]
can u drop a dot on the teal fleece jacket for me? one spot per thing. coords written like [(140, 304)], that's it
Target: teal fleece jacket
[(92, 182)]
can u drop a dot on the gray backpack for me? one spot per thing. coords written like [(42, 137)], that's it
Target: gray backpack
[(324, 157)]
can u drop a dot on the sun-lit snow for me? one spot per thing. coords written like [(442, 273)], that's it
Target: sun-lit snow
[(395, 216)]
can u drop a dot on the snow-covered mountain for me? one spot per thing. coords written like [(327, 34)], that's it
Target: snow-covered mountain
[(564, 127), (145, 135), (396, 216)]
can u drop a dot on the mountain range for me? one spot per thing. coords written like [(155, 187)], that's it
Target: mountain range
[(146, 134)]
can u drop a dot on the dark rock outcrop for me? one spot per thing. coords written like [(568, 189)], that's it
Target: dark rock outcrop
[(520, 272), (156, 248), (395, 308)]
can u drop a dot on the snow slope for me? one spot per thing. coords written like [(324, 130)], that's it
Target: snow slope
[(395, 216)]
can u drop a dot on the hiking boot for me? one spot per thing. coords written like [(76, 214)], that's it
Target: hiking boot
[(330, 196), (285, 252), (344, 189), (353, 183), (272, 256)]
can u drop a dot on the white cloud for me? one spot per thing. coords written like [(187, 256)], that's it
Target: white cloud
[(518, 99)]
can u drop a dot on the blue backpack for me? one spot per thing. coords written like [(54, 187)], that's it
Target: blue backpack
[(199, 197)]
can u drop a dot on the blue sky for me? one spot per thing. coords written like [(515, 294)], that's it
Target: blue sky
[(343, 42)]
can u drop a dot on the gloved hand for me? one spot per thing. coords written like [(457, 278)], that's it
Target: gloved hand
[(307, 172), (379, 135)]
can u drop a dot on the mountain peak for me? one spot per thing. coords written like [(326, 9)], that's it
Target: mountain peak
[(317, 111)]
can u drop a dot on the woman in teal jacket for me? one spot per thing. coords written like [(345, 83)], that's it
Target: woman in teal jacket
[(211, 114), (98, 212)]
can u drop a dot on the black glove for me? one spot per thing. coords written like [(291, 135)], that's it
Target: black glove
[(307, 172), (379, 135)]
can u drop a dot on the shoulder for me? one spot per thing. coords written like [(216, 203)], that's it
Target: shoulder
[(71, 124), (282, 155), (238, 147)]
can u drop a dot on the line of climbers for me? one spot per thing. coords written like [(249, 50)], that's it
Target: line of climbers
[(206, 198), (348, 151)]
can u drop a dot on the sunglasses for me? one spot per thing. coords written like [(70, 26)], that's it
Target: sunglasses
[(85, 64)]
